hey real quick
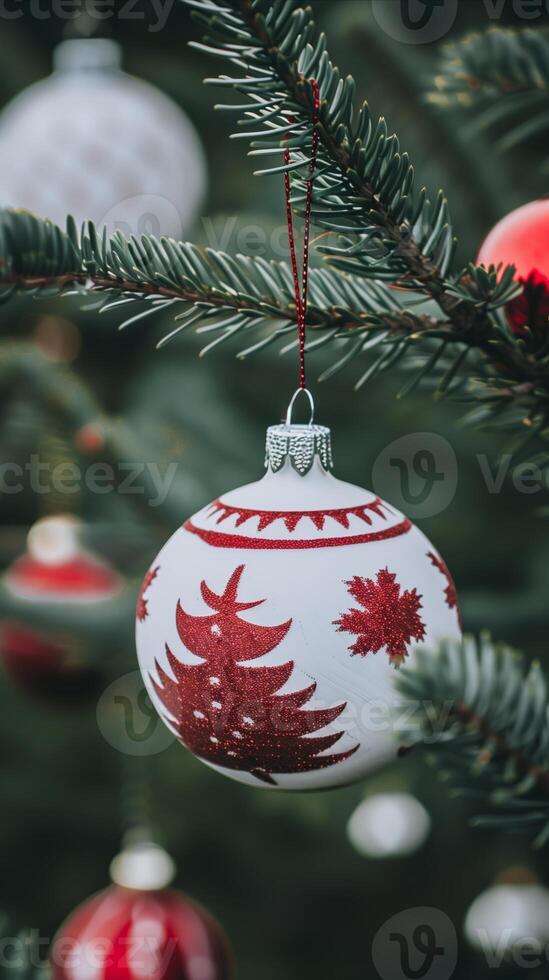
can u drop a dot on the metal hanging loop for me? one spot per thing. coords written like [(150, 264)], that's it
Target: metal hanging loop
[(300, 391)]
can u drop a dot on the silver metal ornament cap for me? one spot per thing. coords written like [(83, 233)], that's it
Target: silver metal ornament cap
[(298, 444), (301, 445), (88, 54)]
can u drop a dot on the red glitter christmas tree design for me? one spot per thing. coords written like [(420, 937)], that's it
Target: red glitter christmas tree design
[(450, 591), (389, 617), (142, 610), (230, 714)]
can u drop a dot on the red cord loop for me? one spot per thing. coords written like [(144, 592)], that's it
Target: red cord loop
[(301, 292)]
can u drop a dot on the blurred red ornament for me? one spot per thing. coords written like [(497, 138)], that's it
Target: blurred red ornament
[(89, 439), (43, 668), (531, 308), (522, 239), (139, 929), (54, 570)]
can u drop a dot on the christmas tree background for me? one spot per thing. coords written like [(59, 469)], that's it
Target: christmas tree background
[(63, 808)]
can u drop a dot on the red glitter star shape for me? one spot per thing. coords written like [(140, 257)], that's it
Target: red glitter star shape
[(142, 610), (389, 617), (450, 591)]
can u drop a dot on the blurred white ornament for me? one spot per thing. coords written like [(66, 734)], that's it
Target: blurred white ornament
[(96, 143), (389, 825), (54, 540), (507, 915), (143, 866)]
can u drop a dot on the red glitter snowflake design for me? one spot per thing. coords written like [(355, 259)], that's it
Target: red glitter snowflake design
[(389, 617), (231, 714), (142, 610), (450, 590)]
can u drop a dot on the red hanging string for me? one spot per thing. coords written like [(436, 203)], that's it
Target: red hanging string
[(302, 291)]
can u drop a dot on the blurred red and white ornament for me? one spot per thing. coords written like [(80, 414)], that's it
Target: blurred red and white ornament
[(270, 624), (139, 929), (522, 239), (99, 144), (389, 825), (54, 570)]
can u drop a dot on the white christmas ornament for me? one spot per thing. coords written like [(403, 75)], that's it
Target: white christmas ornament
[(96, 143), (270, 625), (389, 825), (143, 866), (508, 915)]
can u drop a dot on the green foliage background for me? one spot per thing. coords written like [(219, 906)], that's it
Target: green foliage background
[(277, 870)]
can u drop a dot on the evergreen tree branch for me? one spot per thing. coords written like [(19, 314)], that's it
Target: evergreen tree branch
[(469, 168), (502, 74), (365, 184), (498, 62), (217, 293), (484, 716), (227, 296), (365, 191)]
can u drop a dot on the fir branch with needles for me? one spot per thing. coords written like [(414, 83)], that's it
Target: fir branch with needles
[(365, 189), (365, 192), (497, 62), (224, 297), (502, 76), (483, 718), (218, 293), (447, 326)]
